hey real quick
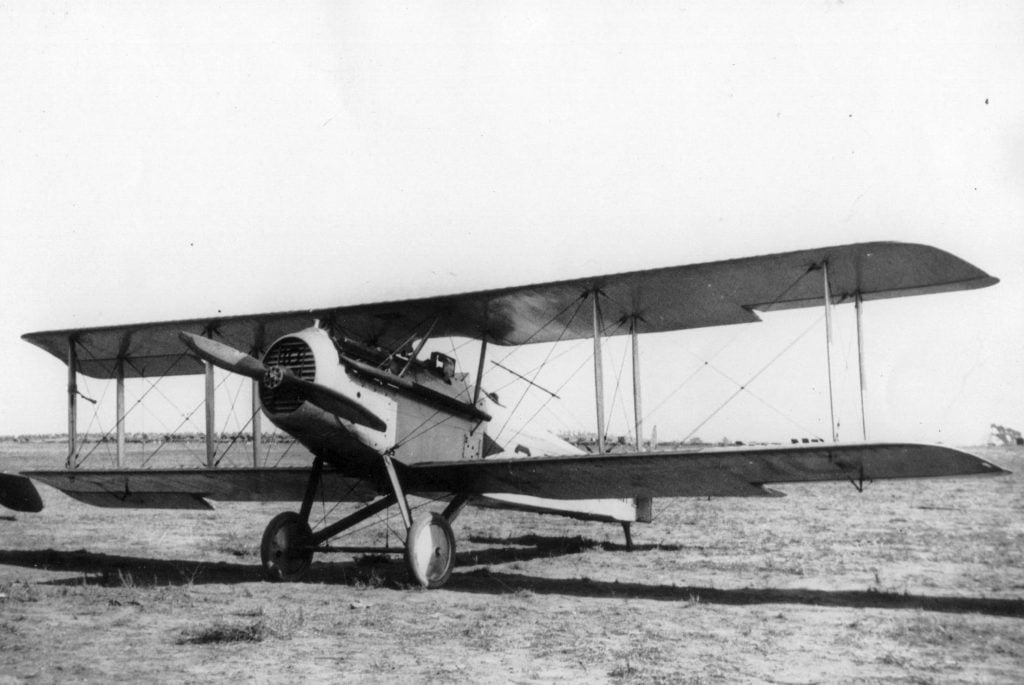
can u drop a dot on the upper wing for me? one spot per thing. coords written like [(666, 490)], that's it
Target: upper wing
[(673, 298), (727, 472)]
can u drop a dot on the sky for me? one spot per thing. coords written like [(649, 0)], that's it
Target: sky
[(189, 159)]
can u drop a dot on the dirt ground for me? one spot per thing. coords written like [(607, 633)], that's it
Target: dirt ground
[(917, 581)]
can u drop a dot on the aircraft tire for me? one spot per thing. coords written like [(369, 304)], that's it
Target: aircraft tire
[(283, 551), (430, 551)]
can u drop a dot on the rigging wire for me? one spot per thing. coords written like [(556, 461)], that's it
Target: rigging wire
[(557, 390), (547, 401), (188, 417), (94, 419), (742, 331), (615, 395), (743, 386), (284, 452), (231, 408), (234, 439), (565, 350), (579, 305), (232, 414), (337, 503), (137, 402), (578, 302)]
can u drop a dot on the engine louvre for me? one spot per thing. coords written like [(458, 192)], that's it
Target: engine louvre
[(295, 355)]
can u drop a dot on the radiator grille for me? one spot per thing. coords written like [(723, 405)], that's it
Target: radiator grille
[(295, 355)]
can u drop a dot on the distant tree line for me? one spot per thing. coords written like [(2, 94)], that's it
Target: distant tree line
[(144, 437)]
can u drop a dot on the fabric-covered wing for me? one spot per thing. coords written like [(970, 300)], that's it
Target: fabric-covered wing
[(726, 472), (155, 349), (18, 493), (190, 488), (672, 298)]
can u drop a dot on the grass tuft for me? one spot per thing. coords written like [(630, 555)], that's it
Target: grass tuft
[(221, 632)]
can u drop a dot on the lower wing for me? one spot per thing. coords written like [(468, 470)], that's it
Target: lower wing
[(718, 472), (725, 472), (185, 488)]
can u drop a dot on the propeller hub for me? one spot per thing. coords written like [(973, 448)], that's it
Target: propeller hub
[(273, 377)]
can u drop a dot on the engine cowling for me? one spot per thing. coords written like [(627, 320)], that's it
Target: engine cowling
[(293, 353)]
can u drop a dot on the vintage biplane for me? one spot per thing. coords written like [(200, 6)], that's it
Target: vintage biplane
[(382, 423)]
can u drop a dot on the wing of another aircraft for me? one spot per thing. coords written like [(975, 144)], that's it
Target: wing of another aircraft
[(667, 299), (717, 472)]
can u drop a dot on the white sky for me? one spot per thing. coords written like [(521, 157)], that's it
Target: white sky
[(167, 160)]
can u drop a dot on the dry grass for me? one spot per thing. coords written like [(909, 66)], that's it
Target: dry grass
[(255, 631), (912, 582)]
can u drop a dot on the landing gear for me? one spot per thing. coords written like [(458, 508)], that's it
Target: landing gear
[(285, 550), (430, 550), (289, 543)]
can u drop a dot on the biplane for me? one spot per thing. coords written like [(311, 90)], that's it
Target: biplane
[(384, 424)]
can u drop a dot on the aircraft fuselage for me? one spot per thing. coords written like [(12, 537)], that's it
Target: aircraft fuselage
[(426, 407)]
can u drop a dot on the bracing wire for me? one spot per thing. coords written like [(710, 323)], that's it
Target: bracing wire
[(231, 414), (137, 402), (508, 419), (94, 419), (708, 362), (234, 439), (615, 394), (754, 377), (188, 417), (558, 389), (284, 452)]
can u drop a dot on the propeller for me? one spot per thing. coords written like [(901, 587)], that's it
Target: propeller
[(228, 358), (224, 356)]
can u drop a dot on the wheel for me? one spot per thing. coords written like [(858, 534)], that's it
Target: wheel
[(284, 549), (430, 551)]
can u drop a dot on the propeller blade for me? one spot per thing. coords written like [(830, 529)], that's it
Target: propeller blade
[(224, 356), (228, 358), (334, 402)]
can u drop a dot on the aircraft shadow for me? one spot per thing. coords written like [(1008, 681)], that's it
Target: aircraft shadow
[(529, 547), (116, 570), (112, 570), (123, 571), (554, 546), (488, 582)]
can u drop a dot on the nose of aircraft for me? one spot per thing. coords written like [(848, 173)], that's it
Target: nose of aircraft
[(331, 401)]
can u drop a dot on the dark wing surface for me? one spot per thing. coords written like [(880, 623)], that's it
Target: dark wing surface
[(724, 472), (667, 299), (191, 488)]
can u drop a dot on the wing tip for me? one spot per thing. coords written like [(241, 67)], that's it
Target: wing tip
[(19, 493)]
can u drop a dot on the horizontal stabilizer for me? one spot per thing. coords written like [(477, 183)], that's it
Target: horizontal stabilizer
[(719, 472)]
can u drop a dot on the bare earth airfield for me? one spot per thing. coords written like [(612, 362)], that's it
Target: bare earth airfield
[(916, 581)]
